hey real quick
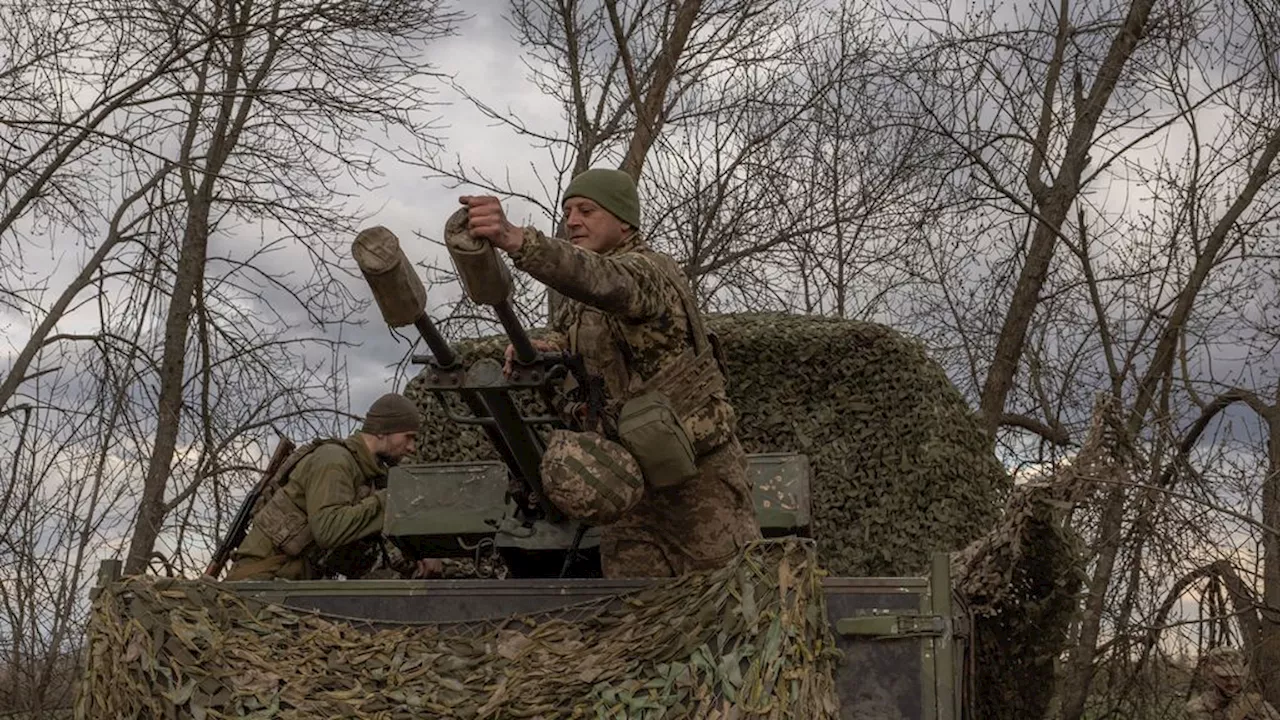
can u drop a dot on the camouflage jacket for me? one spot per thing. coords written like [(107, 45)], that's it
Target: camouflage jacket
[(1212, 705), (627, 312), (335, 487), (1251, 706)]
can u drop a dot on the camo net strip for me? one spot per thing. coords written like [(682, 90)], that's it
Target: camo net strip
[(748, 641), (1022, 579)]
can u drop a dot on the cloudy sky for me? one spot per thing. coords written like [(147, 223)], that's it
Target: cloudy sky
[(484, 58)]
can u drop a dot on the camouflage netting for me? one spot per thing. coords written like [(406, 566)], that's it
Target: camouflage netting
[(1021, 582), (900, 465), (748, 641), (1023, 578)]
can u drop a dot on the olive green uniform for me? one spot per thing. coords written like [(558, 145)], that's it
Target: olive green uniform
[(335, 487), (627, 312)]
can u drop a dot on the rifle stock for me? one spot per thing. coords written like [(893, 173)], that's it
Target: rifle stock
[(240, 524)]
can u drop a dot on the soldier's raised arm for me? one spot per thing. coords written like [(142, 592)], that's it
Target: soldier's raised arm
[(596, 266), (628, 285)]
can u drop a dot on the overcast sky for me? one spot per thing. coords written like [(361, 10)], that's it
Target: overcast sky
[(484, 58)]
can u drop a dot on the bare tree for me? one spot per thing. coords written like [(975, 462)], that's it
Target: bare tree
[(265, 114), (165, 138), (1033, 151), (1040, 112), (627, 75)]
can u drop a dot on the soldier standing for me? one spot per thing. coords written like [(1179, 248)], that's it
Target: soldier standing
[(630, 314), (1224, 697), (326, 516)]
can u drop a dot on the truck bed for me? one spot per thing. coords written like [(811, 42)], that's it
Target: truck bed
[(906, 648)]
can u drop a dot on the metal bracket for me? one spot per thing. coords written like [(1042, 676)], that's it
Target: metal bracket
[(892, 626), (487, 374)]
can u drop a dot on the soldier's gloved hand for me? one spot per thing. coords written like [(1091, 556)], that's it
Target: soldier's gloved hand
[(428, 568), (539, 345), (485, 219)]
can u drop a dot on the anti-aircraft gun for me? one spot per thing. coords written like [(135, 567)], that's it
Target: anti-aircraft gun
[(453, 509)]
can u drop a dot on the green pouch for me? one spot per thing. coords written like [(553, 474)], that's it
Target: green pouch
[(285, 525), (650, 430)]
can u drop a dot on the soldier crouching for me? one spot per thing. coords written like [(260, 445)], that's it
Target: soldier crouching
[(323, 514)]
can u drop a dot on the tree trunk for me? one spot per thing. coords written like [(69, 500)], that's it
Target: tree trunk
[(1022, 307), (1080, 668), (173, 366), (1054, 203), (651, 114), (238, 86)]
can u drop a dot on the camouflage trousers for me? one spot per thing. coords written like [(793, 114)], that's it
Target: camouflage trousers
[(697, 526), (1214, 705)]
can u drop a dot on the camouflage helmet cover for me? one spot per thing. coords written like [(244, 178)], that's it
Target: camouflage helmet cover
[(1225, 663), (589, 477)]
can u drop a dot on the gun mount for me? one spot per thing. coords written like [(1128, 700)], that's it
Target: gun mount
[(526, 527), (455, 509)]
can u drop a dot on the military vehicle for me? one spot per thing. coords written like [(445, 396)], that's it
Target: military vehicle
[(906, 642)]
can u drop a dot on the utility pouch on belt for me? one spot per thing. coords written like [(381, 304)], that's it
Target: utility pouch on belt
[(285, 525), (681, 412), (660, 425), (278, 517), (650, 429)]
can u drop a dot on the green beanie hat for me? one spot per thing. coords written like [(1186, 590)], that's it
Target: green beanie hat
[(613, 190), (391, 413)]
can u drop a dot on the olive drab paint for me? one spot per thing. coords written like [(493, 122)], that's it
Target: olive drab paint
[(899, 466), (324, 518)]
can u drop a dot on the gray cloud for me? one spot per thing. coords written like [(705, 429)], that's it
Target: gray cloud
[(484, 59)]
